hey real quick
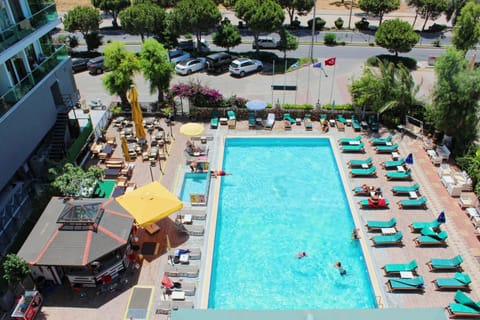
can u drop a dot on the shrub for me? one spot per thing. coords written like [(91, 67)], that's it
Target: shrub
[(330, 39), (319, 23), (346, 106), (305, 106), (436, 43), (371, 44), (339, 23), (342, 43), (408, 62), (295, 23), (362, 24)]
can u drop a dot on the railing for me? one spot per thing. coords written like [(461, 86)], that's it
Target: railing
[(76, 147), (17, 32), (12, 96)]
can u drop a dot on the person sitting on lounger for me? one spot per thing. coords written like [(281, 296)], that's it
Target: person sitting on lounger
[(219, 173), (342, 271), (301, 255)]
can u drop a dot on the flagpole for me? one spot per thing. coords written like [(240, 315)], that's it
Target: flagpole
[(273, 78), (333, 82), (284, 79), (308, 85), (319, 86), (296, 85)]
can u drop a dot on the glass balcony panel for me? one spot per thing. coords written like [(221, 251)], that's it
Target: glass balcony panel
[(25, 27), (12, 96)]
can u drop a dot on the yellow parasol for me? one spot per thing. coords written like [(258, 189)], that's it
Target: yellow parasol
[(192, 129), (150, 203), (126, 155), (169, 246), (137, 116)]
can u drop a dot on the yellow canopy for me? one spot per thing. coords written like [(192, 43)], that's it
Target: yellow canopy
[(150, 203), (137, 115), (126, 155)]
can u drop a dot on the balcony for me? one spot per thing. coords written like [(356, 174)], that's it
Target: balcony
[(12, 96), (17, 32)]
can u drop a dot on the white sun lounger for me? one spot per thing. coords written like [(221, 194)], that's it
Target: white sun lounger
[(187, 271), (194, 254)]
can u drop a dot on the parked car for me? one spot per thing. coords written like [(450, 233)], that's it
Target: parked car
[(242, 66), (79, 64), (96, 65), (177, 56), (190, 66), (190, 45), (265, 43), (218, 62)]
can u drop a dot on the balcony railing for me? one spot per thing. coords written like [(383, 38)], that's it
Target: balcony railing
[(12, 96), (18, 31)]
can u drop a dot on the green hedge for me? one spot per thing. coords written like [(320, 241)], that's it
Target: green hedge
[(304, 106), (345, 107), (408, 62)]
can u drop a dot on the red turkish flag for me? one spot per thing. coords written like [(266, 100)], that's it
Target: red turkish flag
[(330, 62)]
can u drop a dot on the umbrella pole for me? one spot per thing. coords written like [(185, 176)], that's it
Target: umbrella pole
[(151, 173), (160, 166)]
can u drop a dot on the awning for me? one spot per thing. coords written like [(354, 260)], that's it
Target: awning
[(150, 203)]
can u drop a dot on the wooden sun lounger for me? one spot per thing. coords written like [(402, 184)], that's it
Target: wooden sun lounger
[(187, 271), (165, 307), (194, 254)]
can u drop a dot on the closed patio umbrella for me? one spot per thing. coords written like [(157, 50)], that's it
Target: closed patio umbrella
[(137, 116), (256, 105), (126, 155)]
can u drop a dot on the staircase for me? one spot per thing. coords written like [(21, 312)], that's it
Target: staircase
[(57, 142)]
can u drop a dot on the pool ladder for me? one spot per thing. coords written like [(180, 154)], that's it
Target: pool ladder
[(379, 302)]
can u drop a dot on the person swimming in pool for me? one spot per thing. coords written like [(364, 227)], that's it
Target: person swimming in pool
[(219, 173), (301, 255), (338, 265)]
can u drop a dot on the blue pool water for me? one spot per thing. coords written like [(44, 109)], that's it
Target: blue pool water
[(285, 196), (193, 183)]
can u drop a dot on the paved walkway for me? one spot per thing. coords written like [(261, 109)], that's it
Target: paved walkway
[(461, 238)]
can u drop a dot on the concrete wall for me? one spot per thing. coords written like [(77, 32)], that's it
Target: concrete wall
[(24, 126)]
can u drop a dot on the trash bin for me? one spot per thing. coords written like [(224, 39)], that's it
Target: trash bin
[(432, 60)]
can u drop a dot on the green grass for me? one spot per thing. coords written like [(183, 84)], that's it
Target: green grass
[(105, 188)]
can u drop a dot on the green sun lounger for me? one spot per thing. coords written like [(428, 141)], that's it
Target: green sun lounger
[(307, 121), (348, 140), (463, 299), (436, 264), (353, 148), (393, 164), (356, 124), (367, 203), (381, 141), (341, 119), (360, 163), (386, 149), (396, 268), (437, 240), (287, 116), (399, 175), (459, 310), (231, 115), (214, 120), (413, 203), (377, 225), (461, 281), (370, 172), (251, 120), (397, 190), (401, 284), (391, 240), (417, 226)]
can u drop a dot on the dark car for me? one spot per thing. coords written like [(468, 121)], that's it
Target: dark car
[(79, 64), (96, 65), (218, 62)]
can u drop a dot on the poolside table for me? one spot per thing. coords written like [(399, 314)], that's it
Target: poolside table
[(387, 231), (178, 295), (406, 275), (413, 195)]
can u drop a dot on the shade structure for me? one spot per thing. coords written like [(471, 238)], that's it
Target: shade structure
[(150, 203), (126, 155), (256, 105), (192, 129), (137, 116)]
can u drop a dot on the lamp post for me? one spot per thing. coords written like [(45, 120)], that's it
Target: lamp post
[(313, 31), (350, 17)]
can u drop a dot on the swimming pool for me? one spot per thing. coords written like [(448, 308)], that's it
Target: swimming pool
[(194, 183), (285, 195)]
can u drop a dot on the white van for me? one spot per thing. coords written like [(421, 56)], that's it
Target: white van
[(265, 43)]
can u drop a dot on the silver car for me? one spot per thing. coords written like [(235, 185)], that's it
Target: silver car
[(177, 56), (190, 66), (242, 66)]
